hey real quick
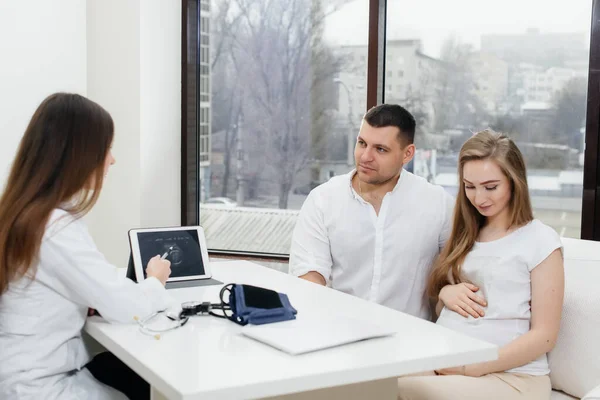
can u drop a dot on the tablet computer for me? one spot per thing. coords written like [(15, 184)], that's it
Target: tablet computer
[(184, 247)]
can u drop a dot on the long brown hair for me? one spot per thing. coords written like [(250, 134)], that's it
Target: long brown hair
[(59, 164), (467, 221)]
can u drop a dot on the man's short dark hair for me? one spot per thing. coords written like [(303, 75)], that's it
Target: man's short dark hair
[(393, 115)]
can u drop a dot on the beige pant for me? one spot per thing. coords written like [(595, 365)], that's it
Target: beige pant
[(497, 386)]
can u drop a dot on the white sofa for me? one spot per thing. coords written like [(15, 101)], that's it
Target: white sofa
[(575, 360)]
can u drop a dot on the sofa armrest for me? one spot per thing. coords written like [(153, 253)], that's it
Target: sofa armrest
[(593, 394)]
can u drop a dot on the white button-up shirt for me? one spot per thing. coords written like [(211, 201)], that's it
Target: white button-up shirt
[(41, 349), (383, 258)]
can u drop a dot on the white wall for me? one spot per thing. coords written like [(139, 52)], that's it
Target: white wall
[(42, 51), (125, 55), (134, 72), (161, 112), (113, 32)]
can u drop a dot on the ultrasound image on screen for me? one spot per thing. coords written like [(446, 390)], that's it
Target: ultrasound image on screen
[(182, 248)]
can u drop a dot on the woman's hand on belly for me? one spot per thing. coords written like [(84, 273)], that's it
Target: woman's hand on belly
[(462, 299)]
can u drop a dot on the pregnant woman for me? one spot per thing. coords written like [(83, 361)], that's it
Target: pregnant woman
[(498, 279)]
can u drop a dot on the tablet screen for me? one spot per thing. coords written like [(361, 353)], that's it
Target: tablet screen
[(182, 248)]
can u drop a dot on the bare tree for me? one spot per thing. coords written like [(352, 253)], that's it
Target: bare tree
[(457, 103), (510, 125), (226, 99), (569, 109), (282, 71)]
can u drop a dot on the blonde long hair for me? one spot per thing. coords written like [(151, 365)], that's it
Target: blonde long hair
[(467, 221)]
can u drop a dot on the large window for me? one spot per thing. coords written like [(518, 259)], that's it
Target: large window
[(282, 93), (274, 92), (524, 71)]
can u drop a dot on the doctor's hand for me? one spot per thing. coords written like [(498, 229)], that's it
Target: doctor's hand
[(158, 268), (461, 298)]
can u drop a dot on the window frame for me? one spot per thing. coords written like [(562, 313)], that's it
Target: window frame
[(590, 212), (376, 81)]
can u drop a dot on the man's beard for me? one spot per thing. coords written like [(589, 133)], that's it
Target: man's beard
[(377, 180)]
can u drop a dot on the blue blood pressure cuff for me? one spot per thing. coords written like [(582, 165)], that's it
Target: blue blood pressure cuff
[(255, 305)]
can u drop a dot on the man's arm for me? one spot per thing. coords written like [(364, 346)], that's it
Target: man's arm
[(310, 255), (315, 277)]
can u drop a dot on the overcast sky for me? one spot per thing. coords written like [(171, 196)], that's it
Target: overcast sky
[(434, 20)]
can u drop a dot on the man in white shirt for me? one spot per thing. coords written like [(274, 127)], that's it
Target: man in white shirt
[(375, 232)]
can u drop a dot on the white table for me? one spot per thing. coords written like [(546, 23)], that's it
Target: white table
[(208, 358)]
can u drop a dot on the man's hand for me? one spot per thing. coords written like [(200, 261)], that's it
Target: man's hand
[(461, 298), (315, 277)]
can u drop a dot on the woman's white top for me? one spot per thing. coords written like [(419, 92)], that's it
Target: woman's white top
[(41, 318), (502, 271)]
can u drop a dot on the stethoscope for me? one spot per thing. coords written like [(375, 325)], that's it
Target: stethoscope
[(145, 329), (188, 309)]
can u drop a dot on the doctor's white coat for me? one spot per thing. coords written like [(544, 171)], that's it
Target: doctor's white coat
[(42, 354)]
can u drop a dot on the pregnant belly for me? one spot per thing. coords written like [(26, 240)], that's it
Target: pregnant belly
[(496, 331)]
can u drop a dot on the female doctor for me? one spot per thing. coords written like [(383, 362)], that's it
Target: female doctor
[(50, 270)]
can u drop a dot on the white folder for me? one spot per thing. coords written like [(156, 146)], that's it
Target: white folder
[(311, 333)]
